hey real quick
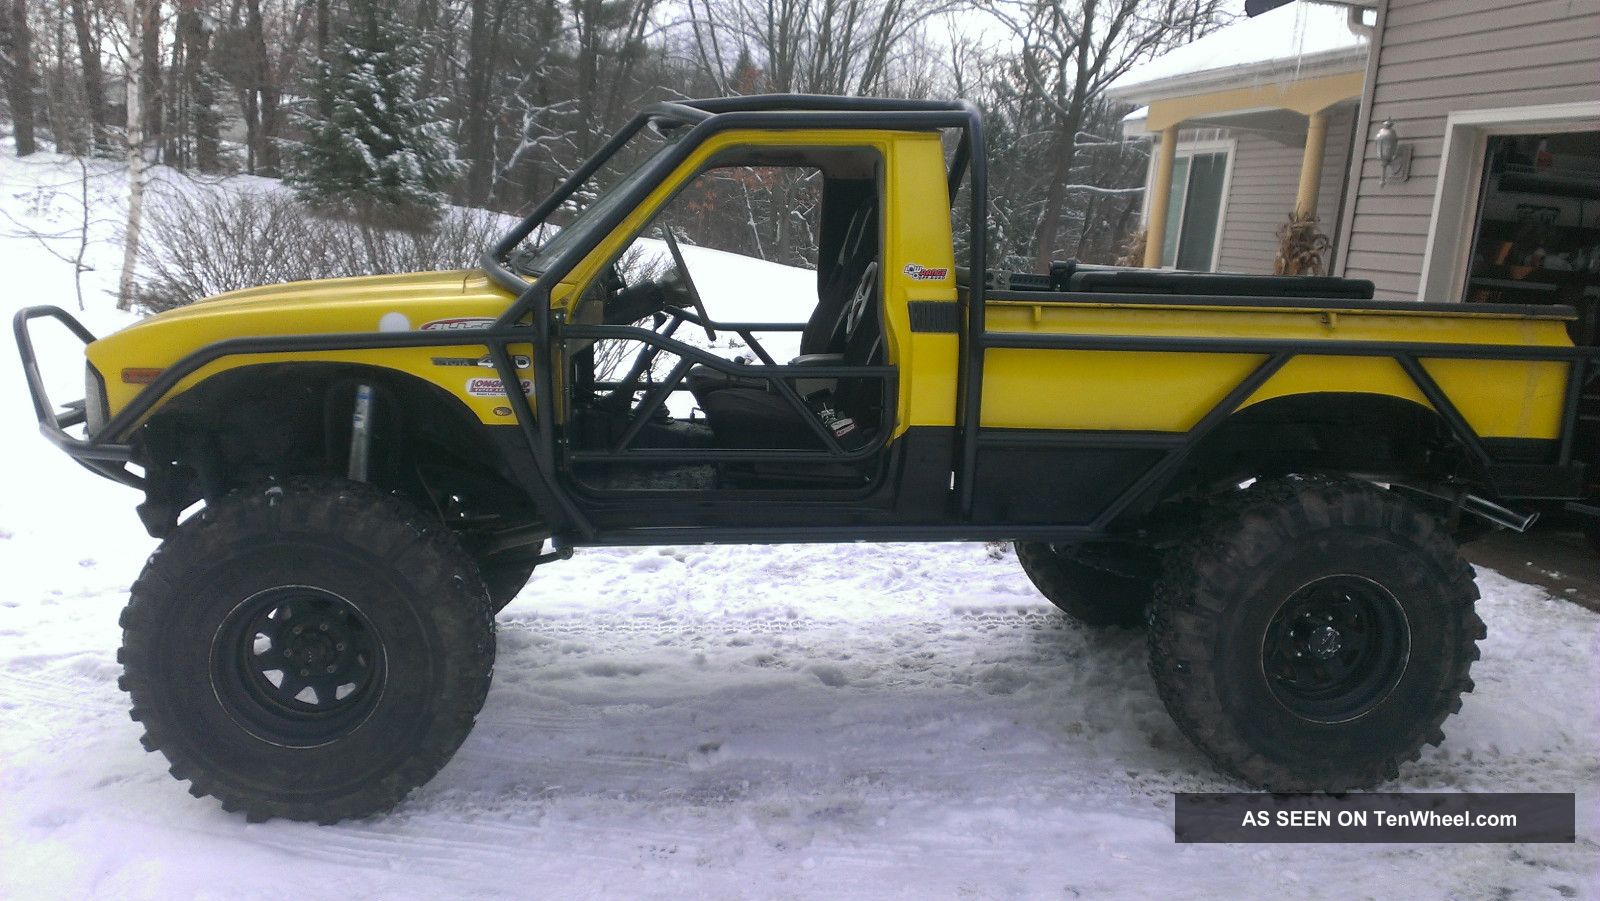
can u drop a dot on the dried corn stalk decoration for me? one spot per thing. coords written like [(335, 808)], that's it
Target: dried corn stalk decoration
[(1301, 247)]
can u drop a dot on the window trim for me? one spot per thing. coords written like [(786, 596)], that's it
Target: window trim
[(1459, 186), (1192, 148)]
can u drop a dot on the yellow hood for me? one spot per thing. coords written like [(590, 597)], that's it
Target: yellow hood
[(422, 301)]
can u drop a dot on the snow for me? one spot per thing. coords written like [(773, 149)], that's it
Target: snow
[(867, 720), (1295, 36)]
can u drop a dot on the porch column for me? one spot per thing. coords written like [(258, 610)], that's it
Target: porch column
[(1156, 225), (1305, 201)]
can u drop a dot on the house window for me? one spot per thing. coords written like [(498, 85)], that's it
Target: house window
[(1194, 212)]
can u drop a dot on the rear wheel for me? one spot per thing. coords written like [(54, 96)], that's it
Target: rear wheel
[(1314, 634), (314, 650), (1090, 594)]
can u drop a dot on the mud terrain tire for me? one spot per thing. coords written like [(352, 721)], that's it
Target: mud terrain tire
[(1095, 597), (375, 622), (505, 579), (1312, 635)]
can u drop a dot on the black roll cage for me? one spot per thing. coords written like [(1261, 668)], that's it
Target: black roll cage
[(705, 118)]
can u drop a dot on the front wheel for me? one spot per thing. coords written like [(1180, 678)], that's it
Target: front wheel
[(311, 650), (1313, 634)]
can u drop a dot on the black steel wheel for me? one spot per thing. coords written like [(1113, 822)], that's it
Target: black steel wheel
[(1336, 648), (1314, 634), (309, 650), (297, 666)]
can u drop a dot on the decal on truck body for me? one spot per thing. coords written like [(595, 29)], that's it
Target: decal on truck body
[(927, 273), (450, 325), (487, 362), (485, 386)]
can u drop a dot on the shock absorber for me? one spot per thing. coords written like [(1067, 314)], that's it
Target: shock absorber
[(360, 433)]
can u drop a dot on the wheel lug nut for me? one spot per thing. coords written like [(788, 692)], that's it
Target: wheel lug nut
[(298, 629), (305, 672), (323, 627), (339, 646), (288, 653), (330, 668)]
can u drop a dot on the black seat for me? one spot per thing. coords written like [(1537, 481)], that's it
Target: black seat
[(760, 416), (822, 335)]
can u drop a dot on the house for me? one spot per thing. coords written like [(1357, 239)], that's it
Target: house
[(1449, 149), (1249, 124)]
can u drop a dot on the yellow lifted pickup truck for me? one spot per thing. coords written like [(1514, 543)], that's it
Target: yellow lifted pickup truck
[(1269, 474)]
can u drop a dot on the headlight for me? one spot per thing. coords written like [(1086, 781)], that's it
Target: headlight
[(94, 399)]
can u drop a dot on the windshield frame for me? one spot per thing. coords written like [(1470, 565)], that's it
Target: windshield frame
[(598, 209), (661, 117)]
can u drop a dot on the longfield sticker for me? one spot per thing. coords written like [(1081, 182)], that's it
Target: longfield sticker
[(493, 387)]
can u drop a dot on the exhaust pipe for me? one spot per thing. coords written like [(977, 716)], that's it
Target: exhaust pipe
[(1500, 516), (1481, 507)]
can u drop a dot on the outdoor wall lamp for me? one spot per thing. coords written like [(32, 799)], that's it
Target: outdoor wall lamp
[(1395, 156)]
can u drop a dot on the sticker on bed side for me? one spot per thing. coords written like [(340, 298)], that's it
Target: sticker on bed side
[(450, 325), (924, 273), (491, 387)]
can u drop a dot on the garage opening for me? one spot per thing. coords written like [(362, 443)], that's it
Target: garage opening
[(1536, 235)]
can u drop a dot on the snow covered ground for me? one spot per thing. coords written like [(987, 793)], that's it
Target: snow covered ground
[(860, 721)]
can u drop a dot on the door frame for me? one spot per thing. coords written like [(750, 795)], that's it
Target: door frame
[(780, 376)]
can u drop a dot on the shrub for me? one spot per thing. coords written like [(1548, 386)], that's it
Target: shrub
[(204, 243), (1132, 250)]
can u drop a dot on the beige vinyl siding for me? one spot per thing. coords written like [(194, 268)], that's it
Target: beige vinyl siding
[(1440, 56), (1266, 177)]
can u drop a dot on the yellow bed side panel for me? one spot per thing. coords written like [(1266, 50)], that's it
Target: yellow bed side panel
[(1170, 392)]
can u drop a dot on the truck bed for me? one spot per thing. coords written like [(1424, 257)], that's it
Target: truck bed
[(1084, 365)]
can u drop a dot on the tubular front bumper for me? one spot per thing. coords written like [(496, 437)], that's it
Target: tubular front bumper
[(102, 458)]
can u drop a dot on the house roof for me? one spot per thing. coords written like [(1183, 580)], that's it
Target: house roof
[(1299, 37)]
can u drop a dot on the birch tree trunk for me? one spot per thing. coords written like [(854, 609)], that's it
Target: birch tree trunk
[(136, 13)]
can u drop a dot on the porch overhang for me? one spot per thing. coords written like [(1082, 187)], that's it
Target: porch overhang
[(1304, 96), (1305, 101)]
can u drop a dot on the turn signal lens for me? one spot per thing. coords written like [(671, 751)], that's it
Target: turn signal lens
[(139, 376)]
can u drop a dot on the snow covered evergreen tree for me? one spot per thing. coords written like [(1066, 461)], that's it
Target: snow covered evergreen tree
[(373, 142)]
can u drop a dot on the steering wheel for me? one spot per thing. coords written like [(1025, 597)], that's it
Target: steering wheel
[(688, 282)]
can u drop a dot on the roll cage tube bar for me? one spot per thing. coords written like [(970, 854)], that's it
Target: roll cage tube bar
[(705, 118)]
